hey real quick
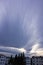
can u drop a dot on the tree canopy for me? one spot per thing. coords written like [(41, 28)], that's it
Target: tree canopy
[(17, 60)]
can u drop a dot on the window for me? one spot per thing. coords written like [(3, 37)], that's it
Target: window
[(0, 56), (37, 64), (33, 63)]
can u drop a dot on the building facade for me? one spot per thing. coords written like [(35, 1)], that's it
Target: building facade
[(7, 59), (2, 59), (38, 60), (28, 61), (35, 60)]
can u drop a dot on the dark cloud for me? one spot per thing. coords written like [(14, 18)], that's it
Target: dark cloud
[(12, 34), (21, 24)]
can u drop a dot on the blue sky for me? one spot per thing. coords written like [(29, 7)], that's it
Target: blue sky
[(21, 26)]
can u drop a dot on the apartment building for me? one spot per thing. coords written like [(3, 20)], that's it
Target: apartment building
[(7, 59), (37, 60), (2, 59), (28, 61)]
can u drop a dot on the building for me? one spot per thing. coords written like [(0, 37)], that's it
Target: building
[(37, 60), (28, 61), (7, 59), (2, 59)]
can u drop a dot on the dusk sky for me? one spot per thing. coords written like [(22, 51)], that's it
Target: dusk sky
[(21, 27)]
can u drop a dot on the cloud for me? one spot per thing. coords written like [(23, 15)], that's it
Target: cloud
[(36, 50), (21, 25), (11, 33), (12, 50), (40, 52)]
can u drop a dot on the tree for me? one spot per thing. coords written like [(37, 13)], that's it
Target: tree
[(21, 59), (10, 62), (17, 60)]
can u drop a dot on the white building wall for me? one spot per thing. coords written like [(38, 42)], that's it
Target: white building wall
[(38, 60), (2, 60), (7, 59), (28, 61)]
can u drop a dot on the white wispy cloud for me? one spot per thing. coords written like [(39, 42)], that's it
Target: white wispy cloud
[(13, 49), (36, 50), (24, 27)]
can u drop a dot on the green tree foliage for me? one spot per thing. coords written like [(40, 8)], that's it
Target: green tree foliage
[(17, 60), (10, 62)]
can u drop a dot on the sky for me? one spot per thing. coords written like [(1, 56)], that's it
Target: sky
[(21, 27)]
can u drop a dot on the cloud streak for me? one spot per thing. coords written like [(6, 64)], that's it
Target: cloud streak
[(21, 24), (12, 49)]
